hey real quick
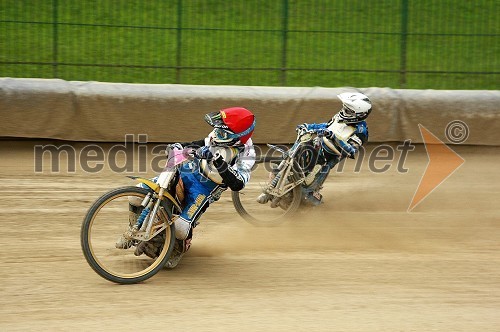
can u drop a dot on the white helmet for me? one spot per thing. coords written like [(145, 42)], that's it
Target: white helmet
[(355, 107)]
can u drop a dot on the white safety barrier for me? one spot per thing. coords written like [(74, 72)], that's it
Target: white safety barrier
[(96, 111)]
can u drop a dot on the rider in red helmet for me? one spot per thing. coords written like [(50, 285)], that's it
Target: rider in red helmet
[(232, 126), (224, 160)]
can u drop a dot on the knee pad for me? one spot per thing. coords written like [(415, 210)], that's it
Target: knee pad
[(182, 228)]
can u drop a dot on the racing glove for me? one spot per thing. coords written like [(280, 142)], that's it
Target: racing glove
[(204, 153), (302, 127), (324, 132)]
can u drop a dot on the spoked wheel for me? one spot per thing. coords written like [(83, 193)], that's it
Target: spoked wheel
[(268, 214), (105, 222)]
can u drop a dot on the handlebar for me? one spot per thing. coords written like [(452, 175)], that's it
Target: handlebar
[(176, 156)]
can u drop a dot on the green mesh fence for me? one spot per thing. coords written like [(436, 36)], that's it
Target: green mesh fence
[(424, 44)]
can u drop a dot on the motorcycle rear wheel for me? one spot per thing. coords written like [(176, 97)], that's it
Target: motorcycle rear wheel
[(245, 201), (106, 220)]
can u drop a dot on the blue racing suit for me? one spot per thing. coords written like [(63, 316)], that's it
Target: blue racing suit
[(205, 180)]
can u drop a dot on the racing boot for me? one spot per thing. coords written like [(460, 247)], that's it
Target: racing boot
[(180, 248), (313, 198), (263, 198)]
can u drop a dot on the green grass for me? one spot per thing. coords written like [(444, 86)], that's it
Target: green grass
[(450, 44)]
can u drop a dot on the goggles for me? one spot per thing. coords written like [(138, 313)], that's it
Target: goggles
[(223, 134), (347, 111)]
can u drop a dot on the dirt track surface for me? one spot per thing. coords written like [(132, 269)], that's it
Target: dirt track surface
[(359, 262)]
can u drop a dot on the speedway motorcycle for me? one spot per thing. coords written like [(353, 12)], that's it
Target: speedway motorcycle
[(111, 216), (281, 174)]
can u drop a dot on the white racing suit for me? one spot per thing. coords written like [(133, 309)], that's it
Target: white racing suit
[(345, 141)]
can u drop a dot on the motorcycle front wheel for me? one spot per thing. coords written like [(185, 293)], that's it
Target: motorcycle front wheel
[(268, 214), (105, 222)]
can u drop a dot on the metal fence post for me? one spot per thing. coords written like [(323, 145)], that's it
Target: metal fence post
[(284, 43), (54, 38), (404, 35), (179, 43)]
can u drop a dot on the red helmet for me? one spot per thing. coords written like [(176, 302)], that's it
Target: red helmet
[(231, 125)]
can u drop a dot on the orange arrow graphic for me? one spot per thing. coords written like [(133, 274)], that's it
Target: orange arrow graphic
[(443, 162)]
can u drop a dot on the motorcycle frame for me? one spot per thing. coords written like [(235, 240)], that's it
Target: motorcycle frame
[(289, 164)]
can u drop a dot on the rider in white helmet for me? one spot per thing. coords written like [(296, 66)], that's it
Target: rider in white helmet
[(339, 138)]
